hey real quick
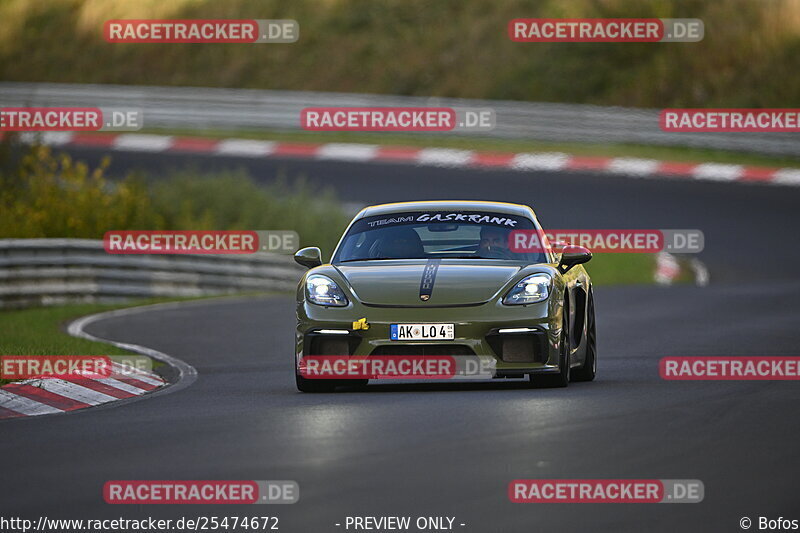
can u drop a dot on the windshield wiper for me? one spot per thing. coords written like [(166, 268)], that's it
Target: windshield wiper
[(406, 258), (376, 259), (467, 257)]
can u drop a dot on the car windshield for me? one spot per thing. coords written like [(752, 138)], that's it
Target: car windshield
[(428, 235)]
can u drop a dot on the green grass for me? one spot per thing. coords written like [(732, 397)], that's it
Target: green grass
[(666, 153), (42, 330), (621, 269), (39, 331)]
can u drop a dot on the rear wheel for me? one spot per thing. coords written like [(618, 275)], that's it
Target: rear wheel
[(588, 370)]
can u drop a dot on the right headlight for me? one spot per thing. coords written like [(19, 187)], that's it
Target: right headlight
[(534, 288), (322, 290)]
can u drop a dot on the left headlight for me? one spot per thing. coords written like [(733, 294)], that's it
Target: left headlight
[(322, 290), (530, 290)]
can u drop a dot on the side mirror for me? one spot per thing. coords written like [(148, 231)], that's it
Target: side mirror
[(573, 255), (309, 257)]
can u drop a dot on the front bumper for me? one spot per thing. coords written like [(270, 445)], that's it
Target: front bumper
[(532, 345)]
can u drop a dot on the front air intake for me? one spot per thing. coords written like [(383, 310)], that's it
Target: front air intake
[(519, 347), (423, 349)]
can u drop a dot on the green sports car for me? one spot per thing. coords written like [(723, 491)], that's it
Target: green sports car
[(443, 278)]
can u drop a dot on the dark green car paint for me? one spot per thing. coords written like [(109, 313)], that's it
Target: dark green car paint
[(466, 292)]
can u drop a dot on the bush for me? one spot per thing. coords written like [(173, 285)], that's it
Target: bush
[(232, 200), (51, 195)]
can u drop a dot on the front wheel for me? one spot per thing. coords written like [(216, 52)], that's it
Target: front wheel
[(326, 385), (561, 379), (314, 385), (588, 370)]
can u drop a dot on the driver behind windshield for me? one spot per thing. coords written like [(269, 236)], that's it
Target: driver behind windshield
[(494, 243), (399, 243)]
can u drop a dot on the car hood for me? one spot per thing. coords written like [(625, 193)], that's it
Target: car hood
[(397, 282)]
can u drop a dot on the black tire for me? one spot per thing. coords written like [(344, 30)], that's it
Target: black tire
[(552, 381), (588, 370), (357, 384), (314, 385)]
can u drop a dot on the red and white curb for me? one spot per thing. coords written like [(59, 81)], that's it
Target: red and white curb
[(439, 157), (46, 396), (42, 396)]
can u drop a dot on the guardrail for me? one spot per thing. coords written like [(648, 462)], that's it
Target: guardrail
[(245, 109), (55, 271)]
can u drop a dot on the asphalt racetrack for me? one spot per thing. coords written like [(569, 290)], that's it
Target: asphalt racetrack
[(451, 449)]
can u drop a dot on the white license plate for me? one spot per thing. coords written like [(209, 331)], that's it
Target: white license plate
[(421, 332)]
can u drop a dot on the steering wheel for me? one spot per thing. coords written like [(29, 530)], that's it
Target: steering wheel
[(496, 253)]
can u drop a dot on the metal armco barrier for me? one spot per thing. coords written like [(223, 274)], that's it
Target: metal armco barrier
[(244, 109), (55, 271)]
